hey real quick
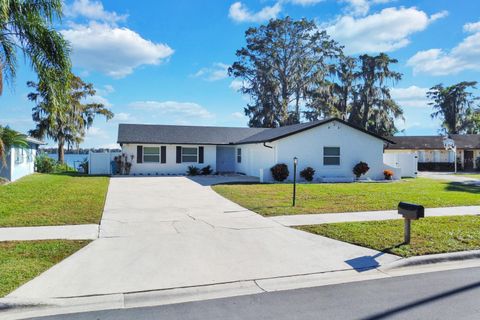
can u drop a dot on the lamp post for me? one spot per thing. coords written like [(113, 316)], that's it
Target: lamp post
[(295, 162)]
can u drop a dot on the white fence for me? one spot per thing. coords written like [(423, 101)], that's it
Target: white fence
[(100, 162), (406, 162)]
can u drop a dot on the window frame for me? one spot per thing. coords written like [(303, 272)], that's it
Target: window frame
[(239, 155), (182, 155), (329, 156), (150, 154), (19, 156)]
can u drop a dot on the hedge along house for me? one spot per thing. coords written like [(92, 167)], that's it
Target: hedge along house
[(20, 161), (332, 147), (432, 155)]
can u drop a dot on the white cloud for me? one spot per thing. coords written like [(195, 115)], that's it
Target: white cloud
[(472, 27), (305, 2), (98, 99), (97, 133), (111, 50), (240, 13), (92, 10), (385, 31), (464, 56), (361, 7), (217, 71), (238, 115), (236, 85), (173, 108), (413, 96), (122, 116)]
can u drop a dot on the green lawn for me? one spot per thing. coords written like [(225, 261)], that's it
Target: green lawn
[(21, 261), (429, 235), (52, 199), (276, 199)]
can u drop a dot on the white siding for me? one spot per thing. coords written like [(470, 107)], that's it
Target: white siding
[(307, 146), (256, 157), (170, 167)]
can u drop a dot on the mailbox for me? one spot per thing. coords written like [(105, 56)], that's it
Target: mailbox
[(411, 211)]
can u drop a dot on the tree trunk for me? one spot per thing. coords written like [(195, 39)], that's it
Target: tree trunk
[(61, 151)]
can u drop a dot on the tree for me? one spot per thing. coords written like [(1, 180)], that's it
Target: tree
[(28, 25), (373, 107), (10, 138), (454, 105), (280, 63), (65, 123)]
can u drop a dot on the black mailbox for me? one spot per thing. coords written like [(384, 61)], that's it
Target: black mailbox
[(411, 211)]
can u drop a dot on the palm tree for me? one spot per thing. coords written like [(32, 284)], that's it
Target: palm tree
[(10, 138), (455, 106), (65, 123), (28, 25)]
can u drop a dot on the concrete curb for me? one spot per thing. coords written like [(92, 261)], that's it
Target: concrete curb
[(432, 259)]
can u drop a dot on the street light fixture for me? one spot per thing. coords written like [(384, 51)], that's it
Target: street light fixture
[(295, 162)]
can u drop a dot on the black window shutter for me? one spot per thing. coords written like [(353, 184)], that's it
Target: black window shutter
[(163, 154), (179, 154), (139, 154), (200, 154)]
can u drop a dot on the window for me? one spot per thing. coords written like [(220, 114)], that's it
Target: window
[(151, 154), (189, 154), (19, 156), (239, 155), (331, 156)]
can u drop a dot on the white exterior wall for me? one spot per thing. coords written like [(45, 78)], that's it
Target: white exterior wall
[(25, 164), (355, 146), (406, 162), (256, 157), (170, 167)]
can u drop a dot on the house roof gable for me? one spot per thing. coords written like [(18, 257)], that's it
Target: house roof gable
[(171, 134)]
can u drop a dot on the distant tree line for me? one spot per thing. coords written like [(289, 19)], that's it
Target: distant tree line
[(78, 150), (294, 72)]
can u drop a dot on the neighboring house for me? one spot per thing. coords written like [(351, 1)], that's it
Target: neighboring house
[(332, 147), (432, 154), (20, 161)]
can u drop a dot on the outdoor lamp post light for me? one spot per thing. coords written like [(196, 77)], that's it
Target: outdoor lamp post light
[(295, 162)]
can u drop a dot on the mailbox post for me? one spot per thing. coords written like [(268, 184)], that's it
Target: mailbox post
[(410, 212), (295, 162)]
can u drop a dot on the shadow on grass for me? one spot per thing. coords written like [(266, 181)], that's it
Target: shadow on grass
[(463, 187)]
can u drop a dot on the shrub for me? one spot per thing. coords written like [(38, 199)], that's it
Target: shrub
[(360, 168), (388, 174), (193, 171), (307, 173), (44, 164), (206, 170), (84, 165), (477, 163), (280, 172)]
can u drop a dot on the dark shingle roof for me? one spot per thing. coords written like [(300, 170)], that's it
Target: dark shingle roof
[(169, 134), (145, 133), (462, 141)]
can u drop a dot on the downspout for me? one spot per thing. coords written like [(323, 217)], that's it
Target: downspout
[(265, 145)]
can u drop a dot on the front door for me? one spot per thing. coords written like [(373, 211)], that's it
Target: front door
[(468, 160), (225, 159)]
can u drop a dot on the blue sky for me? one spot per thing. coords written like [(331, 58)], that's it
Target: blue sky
[(165, 61)]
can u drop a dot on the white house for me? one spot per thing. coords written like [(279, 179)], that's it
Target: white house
[(332, 147), (20, 161)]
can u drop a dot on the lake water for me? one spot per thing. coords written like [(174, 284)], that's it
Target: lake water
[(73, 160)]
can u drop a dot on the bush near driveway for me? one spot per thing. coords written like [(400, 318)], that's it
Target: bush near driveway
[(52, 199), (276, 199), (429, 235), (21, 261)]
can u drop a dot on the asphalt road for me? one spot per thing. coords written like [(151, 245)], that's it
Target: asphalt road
[(451, 294)]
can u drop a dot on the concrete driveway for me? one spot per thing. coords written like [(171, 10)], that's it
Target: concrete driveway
[(171, 232)]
